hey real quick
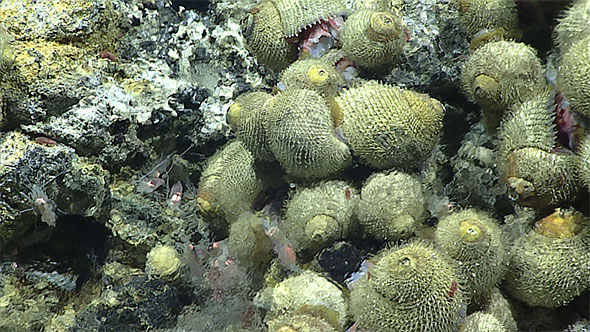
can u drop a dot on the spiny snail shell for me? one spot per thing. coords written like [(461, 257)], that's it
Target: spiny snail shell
[(318, 215), (584, 162), (549, 265), (301, 135), (477, 15), (299, 323), (501, 74), (541, 179), (573, 25), (574, 75), (229, 185), (316, 74), (296, 15), (263, 32), (248, 242), (388, 127), (391, 206), (482, 322), (246, 118), (474, 239), (410, 288), (271, 22), (302, 291), (372, 38), (529, 125), (537, 176)]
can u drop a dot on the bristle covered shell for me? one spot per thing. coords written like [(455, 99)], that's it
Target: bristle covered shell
[(229, 184), (501, 74), (316, 74), (372, 38), (299, 323), (296, 15), (537, 178), (482, 322), (297, 294), (411, 288), (584, 162), (529, 125), (574, 75), (391, 206), (474, 239), (319, 215), (301, 135), (247, 241), (246, 118), (548, 270), (478, 15), (263, 31), (388, 127), (573, 25)]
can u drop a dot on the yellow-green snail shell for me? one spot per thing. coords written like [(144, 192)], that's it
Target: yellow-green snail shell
[(391, 206), (316, 74), (263, 32), (246, 118), (372, 38), (301, 135), (536, 175), (474, 239), (574, 75), (229, 184), (410, 288), (549, 265), (388, 127), (318, 215), (499, 75)]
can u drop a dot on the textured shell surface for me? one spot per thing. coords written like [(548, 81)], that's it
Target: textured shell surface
[(307, 288), (391, 206), (477, 15), (574, 75), (549, 174), (474, 239), (584, 162), (332, 199), (372, 38), (248, 242), (389, 127), (317, 74), (264, 36), (529, 125), (408, 290), (301, 135), (482, 322), (229, 184), (297, 15), (573, 25), (550, 272), (246, 118), (300, 323), (501, 74)]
